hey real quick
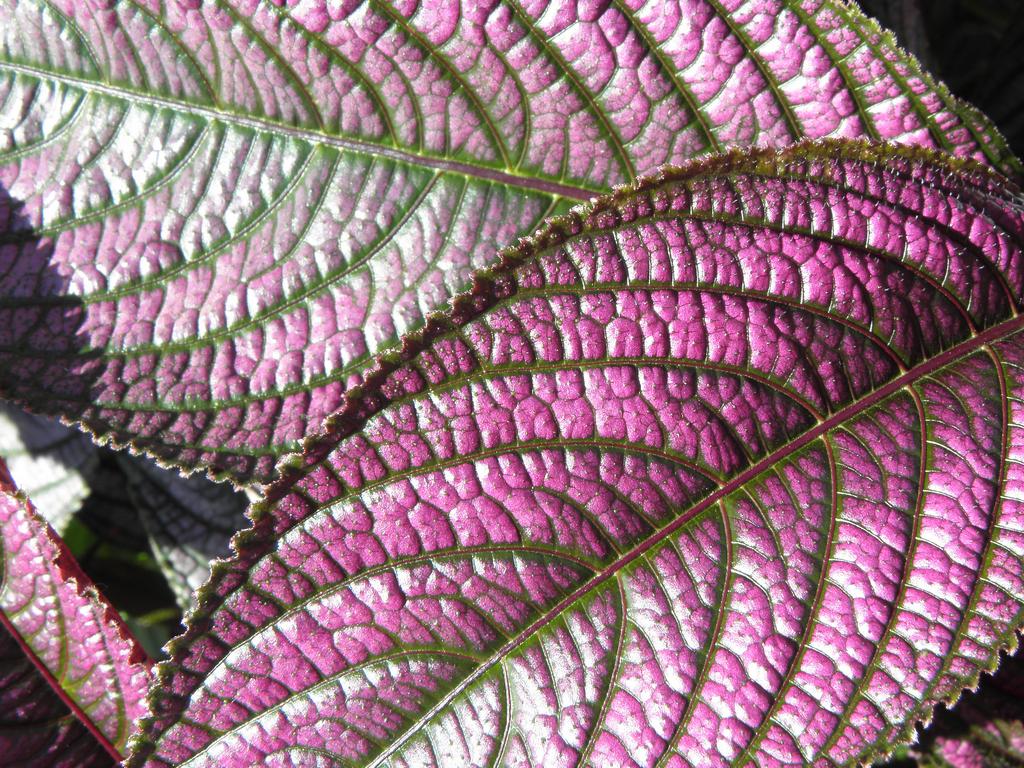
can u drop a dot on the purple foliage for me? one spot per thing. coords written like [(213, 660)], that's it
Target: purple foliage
[(239, 203), (724, 469), (89, 674), (985, 729), (37, 730)]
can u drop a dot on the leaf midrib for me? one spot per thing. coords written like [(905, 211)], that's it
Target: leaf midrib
[(75, 708), (490, 174), (951, 355)]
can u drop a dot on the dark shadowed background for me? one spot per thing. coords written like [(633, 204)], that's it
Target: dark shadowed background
[(975, 46)]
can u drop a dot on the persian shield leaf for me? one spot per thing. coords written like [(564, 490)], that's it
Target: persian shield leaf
[(724, 469), (37, 730), (80, 681), (235, 204), (986, 728)]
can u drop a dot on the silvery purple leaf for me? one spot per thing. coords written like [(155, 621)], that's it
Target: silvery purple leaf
[(724, 469), (37, 730), (83, 657), (231, 206), (986, 728)]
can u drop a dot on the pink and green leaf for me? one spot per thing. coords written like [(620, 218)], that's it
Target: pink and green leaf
[(722, 469), (228, 208), (74, 679), (37, 730), (985, 729)]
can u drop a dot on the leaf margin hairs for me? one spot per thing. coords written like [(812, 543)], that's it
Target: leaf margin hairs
[(487, 287), (78, 585), (884, 47)]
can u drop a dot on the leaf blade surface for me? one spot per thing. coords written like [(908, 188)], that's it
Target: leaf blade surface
[(248, 202), (37, 727), (692, 477), (69, 634)]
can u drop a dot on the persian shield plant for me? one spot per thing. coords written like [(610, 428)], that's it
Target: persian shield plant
[(619, 383)]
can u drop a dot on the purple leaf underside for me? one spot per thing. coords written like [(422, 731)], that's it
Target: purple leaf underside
[(724, 469), (72, 680), (229, 208), (986, 728)]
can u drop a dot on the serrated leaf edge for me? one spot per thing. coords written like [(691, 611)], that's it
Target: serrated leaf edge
[(74, 578), (486, 287)]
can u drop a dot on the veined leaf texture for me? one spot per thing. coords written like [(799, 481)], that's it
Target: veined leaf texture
[(986, 728), (722, 470), (228, 208), (187, 521), (72, 681), (47, 734)]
